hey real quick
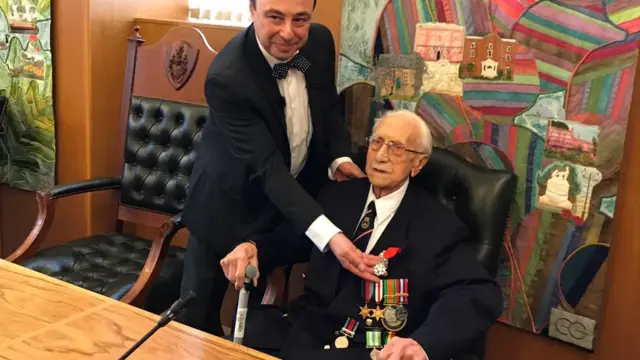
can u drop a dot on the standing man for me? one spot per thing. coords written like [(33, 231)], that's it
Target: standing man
[(275, 129)]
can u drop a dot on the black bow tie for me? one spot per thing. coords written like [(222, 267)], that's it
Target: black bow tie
[(281, 70)]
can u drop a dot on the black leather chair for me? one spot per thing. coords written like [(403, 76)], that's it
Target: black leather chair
[(480, 197), (160, 125)]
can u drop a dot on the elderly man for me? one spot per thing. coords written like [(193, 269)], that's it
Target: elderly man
[(434, 298)]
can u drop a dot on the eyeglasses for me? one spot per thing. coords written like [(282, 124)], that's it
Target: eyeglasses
[(396, 148)]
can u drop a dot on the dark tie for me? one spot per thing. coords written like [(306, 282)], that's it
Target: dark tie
[(365, 228), (281, 70), (348, 284)]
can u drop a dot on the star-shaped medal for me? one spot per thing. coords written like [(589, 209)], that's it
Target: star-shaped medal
[(365, 312), (378, 313)]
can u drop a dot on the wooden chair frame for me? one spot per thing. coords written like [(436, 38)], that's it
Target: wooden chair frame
[(167, 226)]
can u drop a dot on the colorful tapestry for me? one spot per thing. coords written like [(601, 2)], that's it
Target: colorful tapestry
[(27, 140), (541, 88)]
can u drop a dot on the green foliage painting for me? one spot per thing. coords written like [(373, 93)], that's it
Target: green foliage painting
[(27, 142)]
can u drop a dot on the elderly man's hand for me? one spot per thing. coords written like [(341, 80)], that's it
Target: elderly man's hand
[(235, 263), (352, 259), (403, 349), (348, 170)]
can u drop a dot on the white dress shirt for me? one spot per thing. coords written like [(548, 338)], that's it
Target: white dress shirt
[(299, 131), (386, 207)]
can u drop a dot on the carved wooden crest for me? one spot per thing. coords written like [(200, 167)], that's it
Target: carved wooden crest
[(179, 63)]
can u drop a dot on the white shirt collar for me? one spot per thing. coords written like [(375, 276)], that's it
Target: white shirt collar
[(388, 204), (270, 59)]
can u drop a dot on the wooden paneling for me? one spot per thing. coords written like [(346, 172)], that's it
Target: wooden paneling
[(153, 29), (329, 13), (151, 77), (111, 24), (89, 40)]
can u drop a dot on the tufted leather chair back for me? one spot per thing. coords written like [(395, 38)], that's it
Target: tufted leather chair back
[(159, 156), (163, 113), (481, 198)]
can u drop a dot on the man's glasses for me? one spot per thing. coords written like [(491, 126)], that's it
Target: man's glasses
[(394, 147)]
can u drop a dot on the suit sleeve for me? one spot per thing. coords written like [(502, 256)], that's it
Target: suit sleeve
[(467, 303), (335, 126), (250, 142), (283, 245)]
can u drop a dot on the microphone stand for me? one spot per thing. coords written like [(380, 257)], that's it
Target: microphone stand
[(170, 315), (141, 341)]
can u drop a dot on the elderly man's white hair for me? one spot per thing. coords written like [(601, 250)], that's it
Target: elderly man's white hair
[(424, 137)]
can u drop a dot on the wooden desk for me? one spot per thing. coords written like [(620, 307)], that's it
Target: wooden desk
[(45, 318)]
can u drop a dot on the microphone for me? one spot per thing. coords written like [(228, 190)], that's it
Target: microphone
[(166, 318), (243, 300)]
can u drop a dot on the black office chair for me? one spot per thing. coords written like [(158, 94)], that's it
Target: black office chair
[(480, 197)]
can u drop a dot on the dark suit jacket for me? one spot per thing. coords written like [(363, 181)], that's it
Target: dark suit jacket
[(452, 299), (241, 184)]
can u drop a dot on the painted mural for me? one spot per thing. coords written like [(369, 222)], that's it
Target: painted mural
[(27, 139), (541, 88)]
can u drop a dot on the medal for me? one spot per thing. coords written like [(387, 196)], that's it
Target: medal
[(396, 291), (368, 288), (395, 317), (350, 327), (341, 342), (348, 330), (365, 312), (388, 336), (380, 269), (378, 313), (374, 338)]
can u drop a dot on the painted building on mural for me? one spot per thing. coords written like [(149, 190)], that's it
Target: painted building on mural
[(399, 82), (489, 57), (562, 139), (22, 16), (439, 41)]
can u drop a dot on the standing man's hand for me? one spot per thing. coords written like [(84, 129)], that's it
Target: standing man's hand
[(352, 259), (403, 349), (235, 263), (348, 170)]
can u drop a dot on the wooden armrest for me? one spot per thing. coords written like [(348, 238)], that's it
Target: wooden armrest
[(153, 265), (273, 291), (46, 212)]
